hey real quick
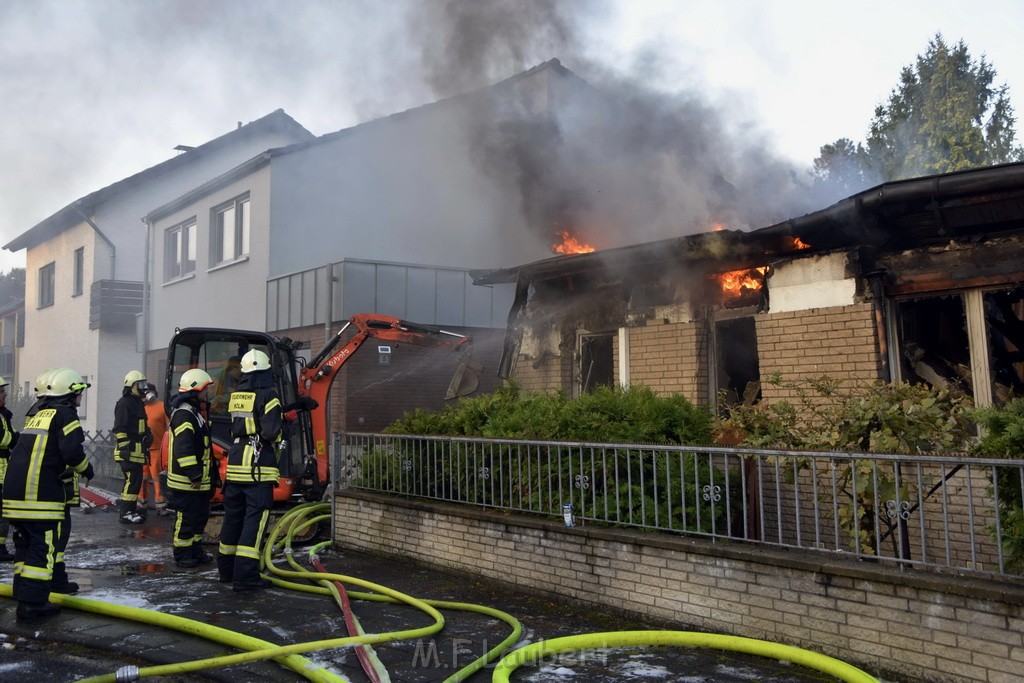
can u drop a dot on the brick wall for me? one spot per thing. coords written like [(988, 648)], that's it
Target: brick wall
[(544, 375), (918, 626), (803, 345), (670, 358)]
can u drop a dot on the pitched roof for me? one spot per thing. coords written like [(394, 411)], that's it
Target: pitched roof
[(243, 169), (916, 212), (72, 214)]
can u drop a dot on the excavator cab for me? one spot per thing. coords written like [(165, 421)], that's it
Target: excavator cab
[(219, 353)]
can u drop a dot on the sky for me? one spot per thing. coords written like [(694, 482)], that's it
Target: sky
[(94, 91)]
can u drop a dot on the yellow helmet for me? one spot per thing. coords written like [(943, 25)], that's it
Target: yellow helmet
[(255, 360), (133, 377), (66, 381), (3, 382), (194, 380)]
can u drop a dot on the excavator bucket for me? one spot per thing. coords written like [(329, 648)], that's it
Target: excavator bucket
[(465, 380)]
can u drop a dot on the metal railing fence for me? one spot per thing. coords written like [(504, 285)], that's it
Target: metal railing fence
[(99, 446), (953, 514)]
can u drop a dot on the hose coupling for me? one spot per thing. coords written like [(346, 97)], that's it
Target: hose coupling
[(127, 674)]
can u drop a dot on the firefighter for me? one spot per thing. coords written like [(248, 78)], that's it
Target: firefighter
[(156, 418), (252, 472), (35, 500), (191, 471), (8, 438), (133, 440)]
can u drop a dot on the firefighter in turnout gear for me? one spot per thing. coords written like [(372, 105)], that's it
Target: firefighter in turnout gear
[(133, 439), (35, 498), (191, 469), (8, 438), (252, 472)]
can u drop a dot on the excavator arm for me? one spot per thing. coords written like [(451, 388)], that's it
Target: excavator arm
[(316, 378)]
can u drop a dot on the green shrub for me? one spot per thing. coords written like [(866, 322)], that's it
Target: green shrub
[(881, 418), (618, 485), (1003, 437)]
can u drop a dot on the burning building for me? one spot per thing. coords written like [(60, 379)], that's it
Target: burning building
[(919, 280)]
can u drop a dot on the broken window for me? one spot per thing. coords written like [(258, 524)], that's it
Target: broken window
[(737, 370), (941, 338), (1004, 328), (934, 346), (597, 361)]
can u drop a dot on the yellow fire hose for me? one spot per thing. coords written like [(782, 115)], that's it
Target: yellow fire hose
[(303, 516), (591, 641)]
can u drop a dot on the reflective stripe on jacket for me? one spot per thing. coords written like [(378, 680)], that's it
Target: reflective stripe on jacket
[(51, 442), (130, 426), (256, 424), (189, 453)]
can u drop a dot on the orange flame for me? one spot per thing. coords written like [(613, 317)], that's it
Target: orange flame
[(736, 283), (797, 243), (570, 244)]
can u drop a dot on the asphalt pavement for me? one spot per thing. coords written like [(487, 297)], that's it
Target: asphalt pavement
[(132, 566)]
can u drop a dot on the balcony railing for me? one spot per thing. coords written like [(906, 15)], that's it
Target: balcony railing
[(953, 514), (113, 304)]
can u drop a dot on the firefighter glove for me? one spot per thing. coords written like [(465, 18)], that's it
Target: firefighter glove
[(89, 472)]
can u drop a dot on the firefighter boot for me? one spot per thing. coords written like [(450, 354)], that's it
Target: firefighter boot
[(201, 555), (129, 515), (225, 567), (184, 556), (30, 611)]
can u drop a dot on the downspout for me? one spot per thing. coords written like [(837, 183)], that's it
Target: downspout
[(113, 249), (145, 289)]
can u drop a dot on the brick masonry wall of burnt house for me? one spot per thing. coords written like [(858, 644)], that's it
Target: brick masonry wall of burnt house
[(801, 346), (670, 358), (917, 626)]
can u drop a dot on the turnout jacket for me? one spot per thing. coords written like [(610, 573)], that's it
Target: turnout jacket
[(131, 429), (50, 444), (8, 438), (190, 455), (256, 430)]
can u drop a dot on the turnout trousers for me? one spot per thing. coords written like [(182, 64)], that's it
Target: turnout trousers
[(132, 485), (193, 511), (60, 572), (35, 553), (246, 510)]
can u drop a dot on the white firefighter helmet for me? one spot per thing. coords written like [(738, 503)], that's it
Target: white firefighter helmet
[(66, 381), (255, 360), (42, 387), (134, 377), (194, 380)]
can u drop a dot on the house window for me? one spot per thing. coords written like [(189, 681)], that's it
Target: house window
[(230, 234), (970, 342), (79, 277), (597, 361), (180, 250), (46, 276), (737, 368)]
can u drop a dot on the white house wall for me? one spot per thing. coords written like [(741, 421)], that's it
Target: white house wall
[(821, 281), (225, 296), (59, 334)]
